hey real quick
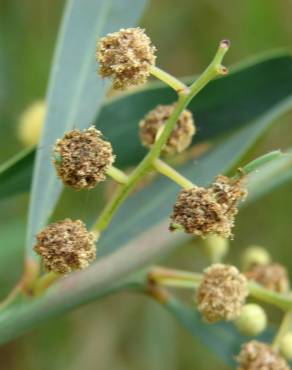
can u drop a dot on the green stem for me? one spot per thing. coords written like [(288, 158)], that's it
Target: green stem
[(167, 78), (44, 282), (213, 70), (160, 275), (170, 172), (117, 175), (281, 301), (190, 280), (285, 326)]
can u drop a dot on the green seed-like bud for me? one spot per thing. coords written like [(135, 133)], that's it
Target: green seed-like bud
[(255, 255), (286, 346), (215, 247), (252, 320)]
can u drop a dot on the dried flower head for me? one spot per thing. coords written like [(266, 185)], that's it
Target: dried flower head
[(228, 191), (126, 56), (272, 276), (31, 122), (203, 211), (222, 293), (81, 158), (65, 246), (181, 136), (260, 356)]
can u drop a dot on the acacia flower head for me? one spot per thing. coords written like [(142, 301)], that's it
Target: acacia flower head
[(255, 355), (81, 158), (181, 136), (272, 276), (221, 293), (65, 246), (126, 56), (205, 211)]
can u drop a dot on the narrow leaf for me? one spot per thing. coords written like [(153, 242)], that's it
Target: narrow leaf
[(75, 91)]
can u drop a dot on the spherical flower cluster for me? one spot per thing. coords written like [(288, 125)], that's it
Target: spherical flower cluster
[(81, 158), (260, 356), (65, 246), (31, 122), (272, 276), (126, 56), (203, 211), (181, 136), (222, 293)]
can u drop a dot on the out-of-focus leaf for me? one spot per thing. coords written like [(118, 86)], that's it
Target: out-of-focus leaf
[(269, 176), (15, 174), (75, 91), (222, 338)]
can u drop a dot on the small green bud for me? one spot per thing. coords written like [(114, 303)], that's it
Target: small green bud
[(286, 346), (255, 255), (252, 320), (215, 247)]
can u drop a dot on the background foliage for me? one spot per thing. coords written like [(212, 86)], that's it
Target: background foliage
[(125, 331)]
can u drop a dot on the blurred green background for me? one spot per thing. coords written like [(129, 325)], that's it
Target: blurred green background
[(125, 331)]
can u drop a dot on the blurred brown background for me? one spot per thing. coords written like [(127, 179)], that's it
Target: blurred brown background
[(125, 331)]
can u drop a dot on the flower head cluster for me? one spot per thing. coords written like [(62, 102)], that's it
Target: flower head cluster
[(222, 293), (260, 356), (181, 136), (81, 158), (126, 56), (203, 211), (272, 276), (65, 246)]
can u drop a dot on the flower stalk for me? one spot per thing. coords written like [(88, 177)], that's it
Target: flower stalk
[(169, 80), (190, 280), (166, 170), (117, 175)]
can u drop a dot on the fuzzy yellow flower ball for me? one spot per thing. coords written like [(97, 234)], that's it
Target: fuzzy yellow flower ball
[(31, 122)]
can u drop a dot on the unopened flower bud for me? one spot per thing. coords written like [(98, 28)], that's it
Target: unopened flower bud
[(260, 356), (286, 346), (65, 246), (203, 211), (31, 122), (181, 136), (215, 247), (272, 276), (82, 158), (126, 56), (222, 293), (252, 320), (255, 255)]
